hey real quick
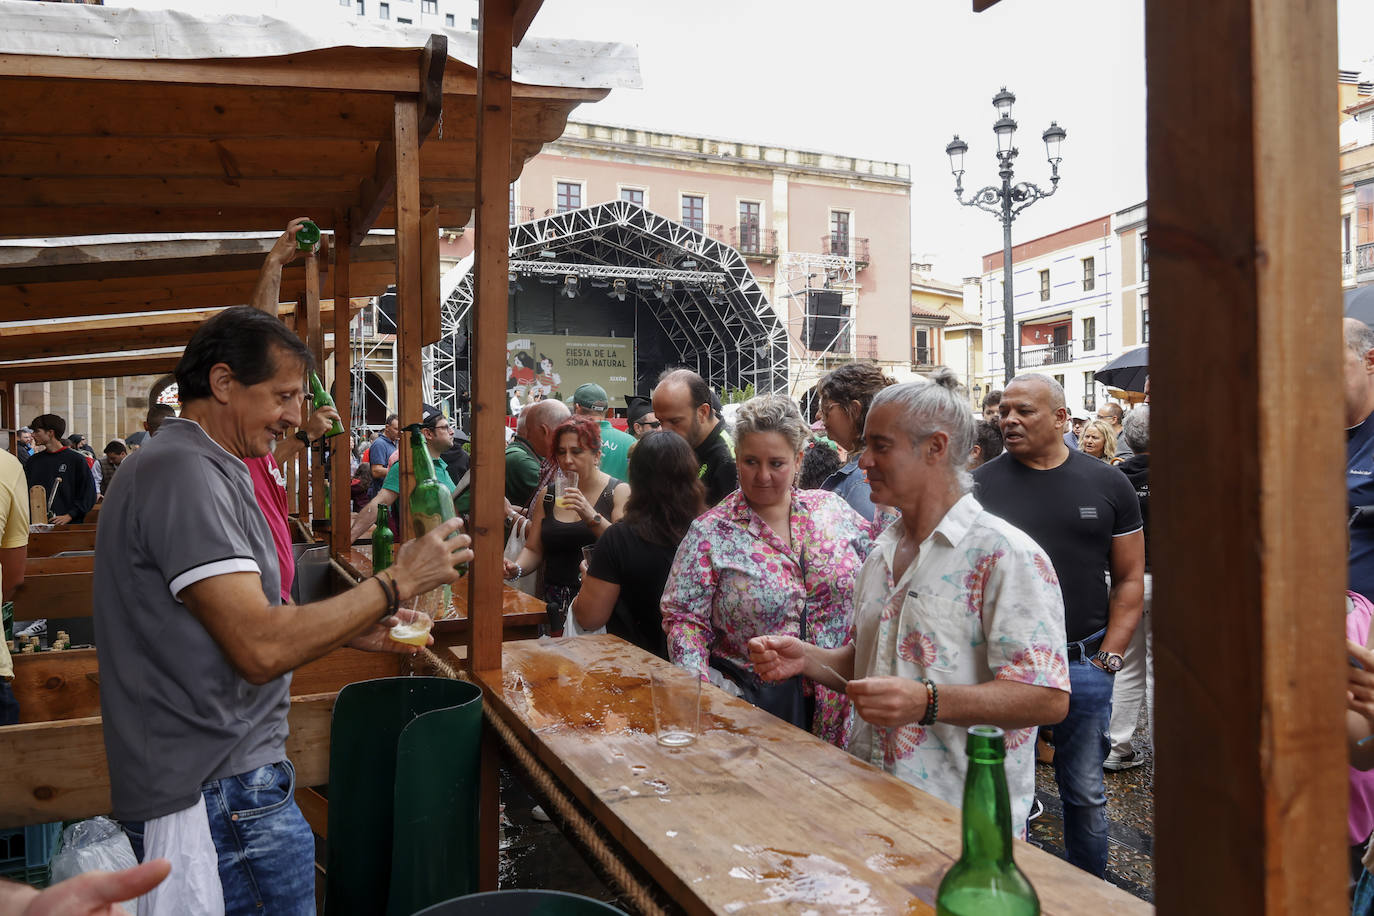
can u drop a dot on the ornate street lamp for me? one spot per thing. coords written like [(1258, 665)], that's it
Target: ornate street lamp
[(1007, 201)]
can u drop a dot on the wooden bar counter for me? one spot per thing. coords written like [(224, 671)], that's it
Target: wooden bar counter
[(521, 614), (755, 814)]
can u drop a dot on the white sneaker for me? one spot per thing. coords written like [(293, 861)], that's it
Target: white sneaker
[(1117, 762)]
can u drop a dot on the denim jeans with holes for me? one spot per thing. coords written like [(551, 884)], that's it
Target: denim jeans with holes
[(266, 850)]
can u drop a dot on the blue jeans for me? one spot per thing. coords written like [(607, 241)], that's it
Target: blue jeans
[(266, 850), (9, 706), (1081, 743)]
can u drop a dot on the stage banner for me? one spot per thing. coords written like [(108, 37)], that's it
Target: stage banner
[(542, 366)]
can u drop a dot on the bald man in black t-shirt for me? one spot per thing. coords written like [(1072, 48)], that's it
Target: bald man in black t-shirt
[(1086, 516)]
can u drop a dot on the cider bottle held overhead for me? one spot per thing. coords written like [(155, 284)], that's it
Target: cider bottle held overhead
[(985, 881), (383, 542), (322, 398), (307, 236)]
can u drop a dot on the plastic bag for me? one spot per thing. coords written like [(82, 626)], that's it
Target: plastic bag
[(97, 844)]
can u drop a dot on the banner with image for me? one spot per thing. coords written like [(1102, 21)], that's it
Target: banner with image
[(542, 366)]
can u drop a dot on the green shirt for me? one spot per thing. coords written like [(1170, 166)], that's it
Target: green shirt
[(393, 477), (615, 451), (522, 472)]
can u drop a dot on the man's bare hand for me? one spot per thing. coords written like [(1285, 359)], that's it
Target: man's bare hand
[(428, 562), (320, 422), (776, 658), (95, 893), (284, 250), (888, 701), (377, 638)]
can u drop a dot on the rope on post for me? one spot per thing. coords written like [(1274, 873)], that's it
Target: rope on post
[(630, 886)]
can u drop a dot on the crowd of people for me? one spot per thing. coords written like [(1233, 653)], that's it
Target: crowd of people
[(883, 572)]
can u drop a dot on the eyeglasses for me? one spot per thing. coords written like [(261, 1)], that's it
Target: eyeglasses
[(654, 425)]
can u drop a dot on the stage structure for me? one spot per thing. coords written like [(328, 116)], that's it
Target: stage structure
[(706, 310), (819, 293)]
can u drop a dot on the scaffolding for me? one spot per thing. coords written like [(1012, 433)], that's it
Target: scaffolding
[(699, 290), (801, 274)]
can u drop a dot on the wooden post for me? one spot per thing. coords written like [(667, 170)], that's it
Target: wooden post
[(11, 419), (340, 509), (496, 32), (409, 285), (314, 339), (1247, 542)]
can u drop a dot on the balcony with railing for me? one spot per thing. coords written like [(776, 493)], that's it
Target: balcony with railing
[(713, 231), (1347, 265), (521, 215), (754, 242), (1364, 260), (846, 247), (1033, 357), (922, 358)]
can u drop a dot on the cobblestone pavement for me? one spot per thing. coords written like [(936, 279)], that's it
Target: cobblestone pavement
[(1130, 819)]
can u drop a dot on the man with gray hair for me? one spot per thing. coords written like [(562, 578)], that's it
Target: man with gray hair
[(1359, 452), (1085, 515), (972, 633), (527, 456)]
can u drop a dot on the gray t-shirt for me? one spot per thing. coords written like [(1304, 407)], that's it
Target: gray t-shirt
[(176, 712)]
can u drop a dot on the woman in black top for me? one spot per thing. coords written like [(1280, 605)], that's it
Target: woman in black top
[(630, 564), (557, 534)]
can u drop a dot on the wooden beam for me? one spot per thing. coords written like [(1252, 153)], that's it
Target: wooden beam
[(1250, 741), (522, 19), (409, 291), (44, 595), (101, 367), (57, 770), (60, 540), (430, 326), (341, 504), (433, 59), (496, 36), (378, 189)]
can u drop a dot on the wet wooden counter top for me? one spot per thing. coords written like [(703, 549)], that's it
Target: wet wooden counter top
[(519, 611), (756, 816)]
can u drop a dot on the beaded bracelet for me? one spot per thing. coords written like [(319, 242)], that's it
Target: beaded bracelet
[(932, 702)]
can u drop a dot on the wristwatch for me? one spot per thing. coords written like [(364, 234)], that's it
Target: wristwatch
[(303, 436), (1110, 662)]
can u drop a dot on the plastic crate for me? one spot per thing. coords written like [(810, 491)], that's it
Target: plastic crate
[(27, 848)]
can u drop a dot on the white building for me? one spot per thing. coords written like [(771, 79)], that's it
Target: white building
[(1080, 299)]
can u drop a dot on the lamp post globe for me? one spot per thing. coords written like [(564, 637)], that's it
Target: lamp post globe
[(1006, 200)]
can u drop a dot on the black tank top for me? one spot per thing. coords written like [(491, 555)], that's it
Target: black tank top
[(563, 541)]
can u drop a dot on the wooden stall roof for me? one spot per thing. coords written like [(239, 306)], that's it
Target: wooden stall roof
[(122, 275), (119, 120)]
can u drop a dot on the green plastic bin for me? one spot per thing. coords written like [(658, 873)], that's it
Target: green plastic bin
[(521, 903), (396, 847)]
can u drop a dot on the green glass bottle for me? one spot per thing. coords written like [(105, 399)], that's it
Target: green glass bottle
[(383, 542), (323, 398), (307, 236), (985, 881), (431, 503)]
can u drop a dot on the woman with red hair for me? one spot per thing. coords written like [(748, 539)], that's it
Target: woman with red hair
[(557, 534)]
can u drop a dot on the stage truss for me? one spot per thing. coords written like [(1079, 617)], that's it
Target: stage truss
[(699, 290), (799, 274)]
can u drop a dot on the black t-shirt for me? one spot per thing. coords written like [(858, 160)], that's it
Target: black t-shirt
[(1073, 512), (718, 473), (562, 542), (640, 568)]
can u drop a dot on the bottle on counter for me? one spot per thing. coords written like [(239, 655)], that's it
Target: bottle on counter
[(383, 542), (322, 398), (985, 881)]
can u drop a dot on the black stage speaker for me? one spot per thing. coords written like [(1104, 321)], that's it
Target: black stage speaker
[(826, 315), (386, 311)]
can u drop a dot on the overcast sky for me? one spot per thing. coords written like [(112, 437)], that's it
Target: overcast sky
[(894, 80)]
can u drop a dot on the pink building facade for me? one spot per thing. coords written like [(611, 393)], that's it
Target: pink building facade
[(806, 222)]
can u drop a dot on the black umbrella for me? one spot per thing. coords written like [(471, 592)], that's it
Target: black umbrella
[(1359, 303), (1127, 372)]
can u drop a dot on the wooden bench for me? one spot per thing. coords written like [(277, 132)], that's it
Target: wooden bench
[(69, 537), (57, 751)]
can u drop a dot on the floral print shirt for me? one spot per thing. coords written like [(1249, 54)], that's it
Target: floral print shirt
[(734, 579), (981, 601)]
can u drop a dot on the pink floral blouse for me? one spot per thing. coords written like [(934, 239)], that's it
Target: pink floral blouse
[(734, 579)]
